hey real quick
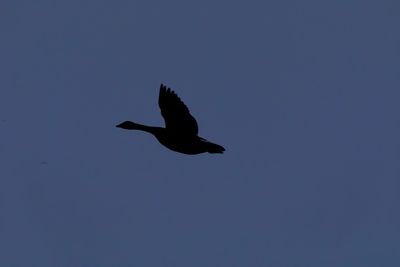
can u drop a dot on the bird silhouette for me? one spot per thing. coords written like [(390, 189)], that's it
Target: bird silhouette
[(180, 132)]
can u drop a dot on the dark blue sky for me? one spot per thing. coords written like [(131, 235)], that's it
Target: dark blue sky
[(303, 95)]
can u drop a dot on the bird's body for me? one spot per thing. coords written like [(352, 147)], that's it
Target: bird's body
[(180, 132)]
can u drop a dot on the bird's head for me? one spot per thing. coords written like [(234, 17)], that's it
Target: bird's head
[(128, 125)]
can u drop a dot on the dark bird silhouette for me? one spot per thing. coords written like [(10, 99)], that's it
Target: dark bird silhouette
[(180, 132)]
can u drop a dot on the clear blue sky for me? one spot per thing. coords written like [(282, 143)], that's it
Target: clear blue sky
[(304, 96)]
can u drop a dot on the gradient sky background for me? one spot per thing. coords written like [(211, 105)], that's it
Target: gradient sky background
[(304, 95)]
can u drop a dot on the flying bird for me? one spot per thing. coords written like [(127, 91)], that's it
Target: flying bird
[(180, 132)]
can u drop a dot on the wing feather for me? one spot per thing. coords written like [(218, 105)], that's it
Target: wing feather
[(176, 114)]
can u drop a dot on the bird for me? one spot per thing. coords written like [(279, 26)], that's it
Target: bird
[(180, 133)]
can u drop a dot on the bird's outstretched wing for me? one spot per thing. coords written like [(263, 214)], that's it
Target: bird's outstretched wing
[(176, 115)]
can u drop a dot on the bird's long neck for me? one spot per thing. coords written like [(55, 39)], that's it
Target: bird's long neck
[(138, 126), (128, 125)]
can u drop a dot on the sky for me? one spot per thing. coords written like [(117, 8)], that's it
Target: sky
[(302, 94)]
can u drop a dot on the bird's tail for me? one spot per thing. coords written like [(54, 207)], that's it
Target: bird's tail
[(214, 148)]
